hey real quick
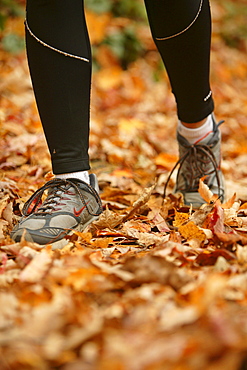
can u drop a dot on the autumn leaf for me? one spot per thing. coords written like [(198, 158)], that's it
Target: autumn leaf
[(217, 220), (205, 192), (191, 231), (180, 219), (37, 268)]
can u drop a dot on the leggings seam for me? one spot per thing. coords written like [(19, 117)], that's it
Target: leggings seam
[(51, 47), (185, 29)]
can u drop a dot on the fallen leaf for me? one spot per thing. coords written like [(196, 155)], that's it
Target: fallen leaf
[(37, 268), (205, 192), (141, 201), (191, 231), (217, 220), (109, 219), (180, 219)]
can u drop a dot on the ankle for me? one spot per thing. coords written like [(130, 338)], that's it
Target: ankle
[(195, 124), (193, 134), (81, 175)]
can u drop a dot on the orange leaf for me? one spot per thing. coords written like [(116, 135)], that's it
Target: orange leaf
[(191, 231), (166, 160), (180, 218), (97, 24), (205, 192)]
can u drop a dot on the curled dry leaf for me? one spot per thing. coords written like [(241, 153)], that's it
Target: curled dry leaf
[(108, 219), (231, 215), (217, 220), (200, 215), (3, 229), (221, 264), (205, 192), (37, 268), (230, 202), (7, 213), (145, 238), (141, 201), (158, 220)]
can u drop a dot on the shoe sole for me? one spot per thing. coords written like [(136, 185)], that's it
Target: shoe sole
[(59, 244)]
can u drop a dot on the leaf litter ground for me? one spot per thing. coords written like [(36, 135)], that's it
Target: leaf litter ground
[(151, 284)]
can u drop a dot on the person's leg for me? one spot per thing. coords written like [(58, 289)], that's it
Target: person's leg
[(60, 65), (61, 83), (182, 33)]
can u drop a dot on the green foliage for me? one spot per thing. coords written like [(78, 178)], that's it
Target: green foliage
[(10, 41), (234, 25), (13, 43), (119, 8), (124, 42), (9, 8), (98, 6), (125, 45), (129, 8)]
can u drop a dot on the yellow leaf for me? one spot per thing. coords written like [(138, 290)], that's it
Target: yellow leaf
[(109, 78), (191, 231), (102, 242), (130, 125), (180, 218)]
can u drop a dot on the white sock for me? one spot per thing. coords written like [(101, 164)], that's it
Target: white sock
[(194, 134), (81, 175)]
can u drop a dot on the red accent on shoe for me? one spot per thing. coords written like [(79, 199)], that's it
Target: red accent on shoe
[(77, 213)]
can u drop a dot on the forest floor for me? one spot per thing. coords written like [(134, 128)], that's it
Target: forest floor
[(151, 285)]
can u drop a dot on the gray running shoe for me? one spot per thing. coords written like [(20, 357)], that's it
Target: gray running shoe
[(201, 159), (71, 204)]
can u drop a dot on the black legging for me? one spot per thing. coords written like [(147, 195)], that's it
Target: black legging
[(55, 28)]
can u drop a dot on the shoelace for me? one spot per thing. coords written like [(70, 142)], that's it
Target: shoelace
[(58, 185), (197, 155)]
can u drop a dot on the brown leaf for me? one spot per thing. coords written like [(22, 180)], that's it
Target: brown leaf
[(37, 268), (141, 201), (208, 258), (109, 219)]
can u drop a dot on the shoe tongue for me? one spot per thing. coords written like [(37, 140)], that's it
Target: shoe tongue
[(58, 190)]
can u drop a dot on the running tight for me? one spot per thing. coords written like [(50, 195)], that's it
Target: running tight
[(181, 30)]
